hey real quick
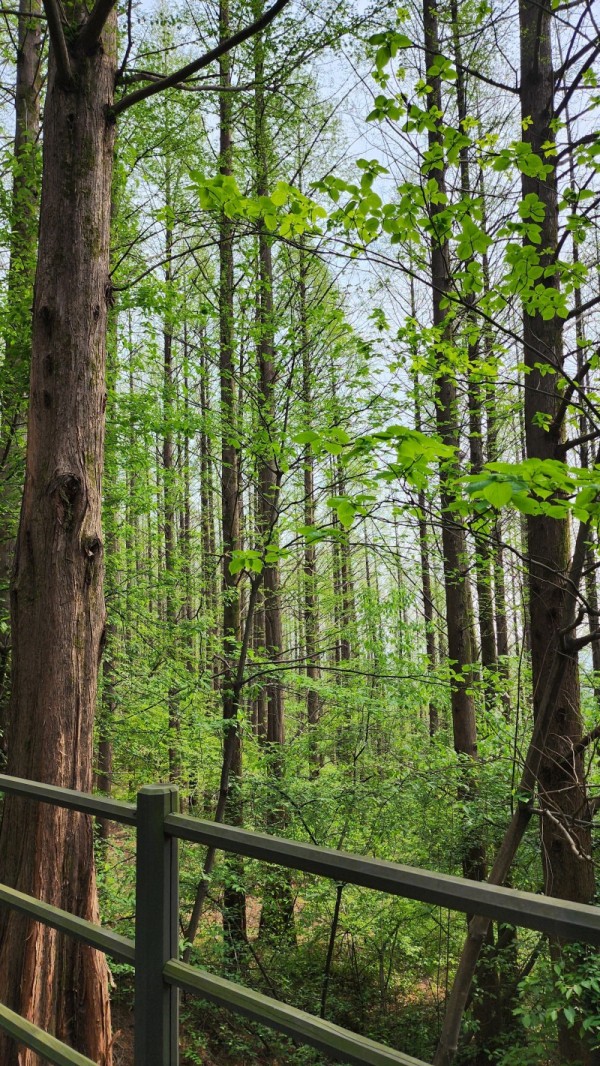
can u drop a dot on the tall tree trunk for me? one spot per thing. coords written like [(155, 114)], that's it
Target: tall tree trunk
[(552, 762), (277, 911), (566, 856), (426, 591), (456, 564), (14, 376), (310, 607), (57, 592), (169, 495), (483, 557), (234, 903), (209, 583)]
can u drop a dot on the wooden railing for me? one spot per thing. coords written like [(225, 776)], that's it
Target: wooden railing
[(158, 972)]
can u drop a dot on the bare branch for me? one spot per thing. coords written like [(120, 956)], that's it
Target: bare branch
[(557, 421), (90, 32), (585, 741), (19, 14), (587, 306), (577, 81), (204, 61), (572, 644), (573, 623), (59, 44), (565, 832), (129, 41), (585, 438)]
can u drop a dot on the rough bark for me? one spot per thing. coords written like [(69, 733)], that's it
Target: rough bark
[(553, 763), (57, 595), (14, 376), (277, 912), (549, 699), (566, 857)]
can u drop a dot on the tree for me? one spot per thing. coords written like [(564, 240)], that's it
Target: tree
[(56, 597), (15, 372)]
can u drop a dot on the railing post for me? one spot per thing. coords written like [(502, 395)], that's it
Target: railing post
[(156, 929)]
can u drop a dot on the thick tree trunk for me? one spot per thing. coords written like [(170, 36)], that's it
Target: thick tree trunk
[(549, 698), (454, 548), (551, 763), (56, 597), (14, 375), (566, 846)]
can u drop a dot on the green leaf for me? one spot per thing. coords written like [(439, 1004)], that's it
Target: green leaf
[(498, 493), (308, 436)]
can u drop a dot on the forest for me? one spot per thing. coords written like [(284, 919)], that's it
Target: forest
[(299, 503)]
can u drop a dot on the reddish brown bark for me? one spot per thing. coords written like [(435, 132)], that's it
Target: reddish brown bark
[(57, 592), (566, 843), (14, 376)]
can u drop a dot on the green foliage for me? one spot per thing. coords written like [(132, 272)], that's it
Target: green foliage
[(286, 211)]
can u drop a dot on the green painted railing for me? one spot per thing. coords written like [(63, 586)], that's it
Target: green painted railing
[(158, 973)]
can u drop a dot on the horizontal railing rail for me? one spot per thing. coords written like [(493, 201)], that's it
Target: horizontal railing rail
[(70, 799), (118, 947), (338, 1043), (574, 921), (158, 972)]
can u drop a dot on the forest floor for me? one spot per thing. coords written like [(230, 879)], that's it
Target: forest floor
[(210, 1054)]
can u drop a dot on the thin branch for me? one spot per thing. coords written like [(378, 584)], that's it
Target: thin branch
[(488, 81), (90, 32), (562, 70), (565, 832), (572, 644), (189, 86), (572, 624), (59, 44), (589, 138), (19, 14), (582, 744), (587, 306), (198, 64), (576, 82), (557, 421), (584, 439), (129, 46)]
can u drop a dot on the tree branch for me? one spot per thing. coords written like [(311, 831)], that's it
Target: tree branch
[(590, 46), (188, 86), (585, 741), (572, 644), (576, 82), (204, 61), (19, 14), (90, 32), (567, 397), (566, 445), (59, 44)]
